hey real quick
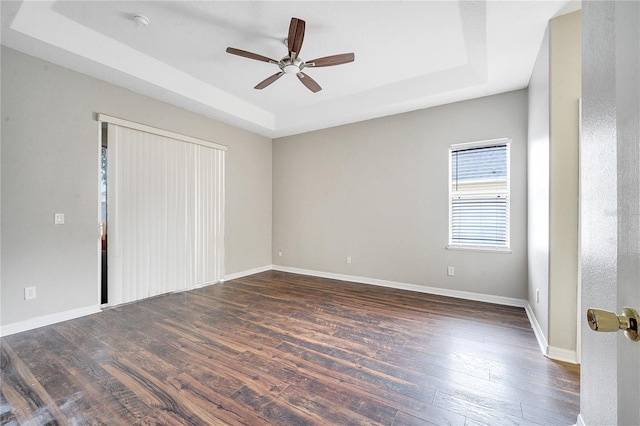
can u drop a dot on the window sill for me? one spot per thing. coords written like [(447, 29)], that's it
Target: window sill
[(501, 250)]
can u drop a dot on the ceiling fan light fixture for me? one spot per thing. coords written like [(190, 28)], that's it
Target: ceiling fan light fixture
[(291, 69), (289, 66)]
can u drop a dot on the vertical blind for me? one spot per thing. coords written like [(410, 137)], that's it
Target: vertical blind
[(479, 196), (165, 214)]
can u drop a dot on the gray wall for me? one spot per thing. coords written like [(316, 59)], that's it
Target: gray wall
[(554, 93), (565, 92), (377, 191), (50, 162), (538, 188)]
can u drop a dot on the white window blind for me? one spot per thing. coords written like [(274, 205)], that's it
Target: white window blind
[(165, 212), (479, 195)]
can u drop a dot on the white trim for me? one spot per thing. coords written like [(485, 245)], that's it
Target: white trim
[(160, 132), (579, 314), (248, 272), (41, 321), (555, 353), (537, 330), (580, 421), (561, 354), (207, 284), (466, 145), (489, 298)]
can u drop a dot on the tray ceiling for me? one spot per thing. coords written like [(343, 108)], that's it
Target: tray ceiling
[(409, 54)]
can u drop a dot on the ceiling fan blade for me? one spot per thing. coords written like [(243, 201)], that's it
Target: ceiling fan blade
[(267, 81), (309, 82), (329, 61), (296, 36), (250, 55)]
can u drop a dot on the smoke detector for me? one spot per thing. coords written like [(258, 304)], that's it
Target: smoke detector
[(141, 20)]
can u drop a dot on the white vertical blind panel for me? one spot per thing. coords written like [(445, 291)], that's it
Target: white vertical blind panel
[(165, 215), (209, 242)]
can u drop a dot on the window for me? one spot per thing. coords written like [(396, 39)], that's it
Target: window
[(479, 195)]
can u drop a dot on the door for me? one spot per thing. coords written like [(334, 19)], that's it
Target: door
[(610, 192), (627, 47)]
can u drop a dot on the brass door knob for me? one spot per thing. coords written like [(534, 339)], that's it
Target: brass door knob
[(600, 320)]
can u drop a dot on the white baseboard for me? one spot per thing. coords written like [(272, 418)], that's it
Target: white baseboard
[(580, 421), (537, 330), (45, 320), (248, 272), (500, 300), (558, 354)]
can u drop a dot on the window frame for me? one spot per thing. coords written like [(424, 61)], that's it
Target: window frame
[(506, 248)]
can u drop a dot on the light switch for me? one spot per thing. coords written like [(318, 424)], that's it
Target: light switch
[(58, 219)]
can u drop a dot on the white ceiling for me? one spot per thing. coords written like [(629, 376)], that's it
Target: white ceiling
[(409, 54)]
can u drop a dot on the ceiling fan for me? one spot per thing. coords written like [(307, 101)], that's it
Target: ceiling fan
[(292, 64)]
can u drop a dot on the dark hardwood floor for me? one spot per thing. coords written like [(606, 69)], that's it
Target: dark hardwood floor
[(284, 349)]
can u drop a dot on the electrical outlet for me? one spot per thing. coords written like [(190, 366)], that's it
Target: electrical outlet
[(280, 253), (450, 271), (58, 219), (348, 259), (29, 293)]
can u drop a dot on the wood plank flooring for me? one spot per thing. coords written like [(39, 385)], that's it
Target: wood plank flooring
[(285, 349)]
